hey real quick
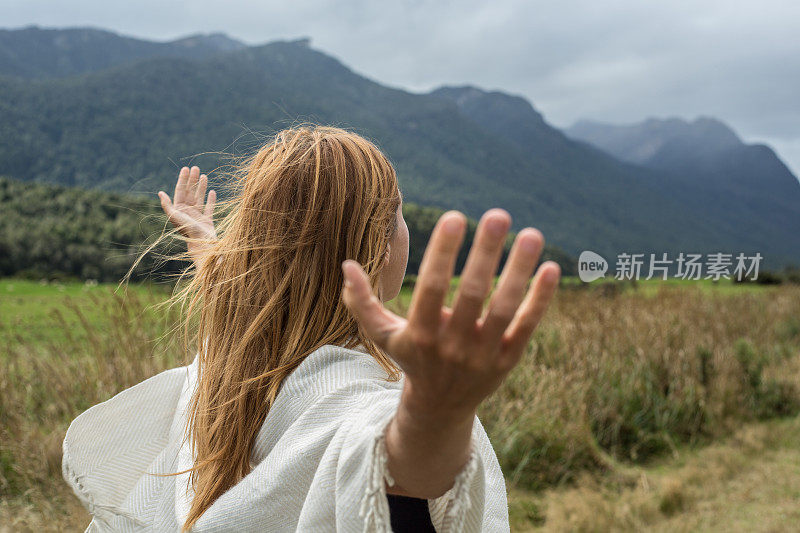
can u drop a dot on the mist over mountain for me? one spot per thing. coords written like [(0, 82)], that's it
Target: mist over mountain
[(747, 183), (128, 120), (705, 150), (653, 140)]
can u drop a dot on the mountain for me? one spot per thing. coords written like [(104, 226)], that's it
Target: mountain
[(729, 188), (129, 126), (654, 140), (706, 149), (512, 117), (746, 183), (34, 52)]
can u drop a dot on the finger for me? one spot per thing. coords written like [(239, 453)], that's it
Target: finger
[(478, 274), (212, 200), (511, 287), (180, 187), (191, 186), (166, 204), (200, 196), (173, 215), (531, 311), (377, 322), (435, 271)]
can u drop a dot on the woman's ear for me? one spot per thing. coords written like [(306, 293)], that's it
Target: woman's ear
[(387, 254)]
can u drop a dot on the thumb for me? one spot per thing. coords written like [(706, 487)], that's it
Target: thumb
[(166, 204), (376, 321)]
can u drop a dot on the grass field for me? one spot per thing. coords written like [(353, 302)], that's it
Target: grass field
[(660, 406), (34, 313), (748, 481)]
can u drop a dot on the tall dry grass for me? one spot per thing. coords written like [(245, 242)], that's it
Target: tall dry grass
[(622, 376), (44, 386), (611, 377)]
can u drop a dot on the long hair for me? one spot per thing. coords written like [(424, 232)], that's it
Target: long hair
[(268, 292)]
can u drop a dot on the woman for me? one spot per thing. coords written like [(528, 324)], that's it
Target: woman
[(308, 401)]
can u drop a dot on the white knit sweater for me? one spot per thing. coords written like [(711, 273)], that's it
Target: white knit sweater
[(319, 461)]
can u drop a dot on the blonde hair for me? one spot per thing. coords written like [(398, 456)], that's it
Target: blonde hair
[(268, 292)]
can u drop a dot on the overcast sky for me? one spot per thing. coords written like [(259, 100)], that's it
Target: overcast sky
[(618, 61)]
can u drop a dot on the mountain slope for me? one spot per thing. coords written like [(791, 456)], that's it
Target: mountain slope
[(121, 128), (128, 128), (703, 166), (747, 185), (35, 52), (705, 148), (653, 139)]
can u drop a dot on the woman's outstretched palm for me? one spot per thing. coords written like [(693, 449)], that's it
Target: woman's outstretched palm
[(454, 358), (191, 213)]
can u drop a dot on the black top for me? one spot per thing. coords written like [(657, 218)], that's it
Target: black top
[(409, 514)]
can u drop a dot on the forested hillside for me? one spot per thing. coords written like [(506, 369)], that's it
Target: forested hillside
[(49, 231)]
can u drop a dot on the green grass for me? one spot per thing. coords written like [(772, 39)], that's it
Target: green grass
[(33, 313)]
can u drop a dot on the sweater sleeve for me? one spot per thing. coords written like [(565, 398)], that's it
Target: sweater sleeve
[(109, 447), (476, 502)]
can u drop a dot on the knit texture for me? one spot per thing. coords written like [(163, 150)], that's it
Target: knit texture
[(319, 461)]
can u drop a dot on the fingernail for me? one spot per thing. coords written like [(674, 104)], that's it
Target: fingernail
[(496, 227), (529, 240), (552, 274), (529, 245), (452, 225)]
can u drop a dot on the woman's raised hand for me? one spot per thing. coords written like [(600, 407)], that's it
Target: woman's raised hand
[(191, 213), (453, 359)]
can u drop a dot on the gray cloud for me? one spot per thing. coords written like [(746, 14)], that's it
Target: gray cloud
[(617, 61)]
